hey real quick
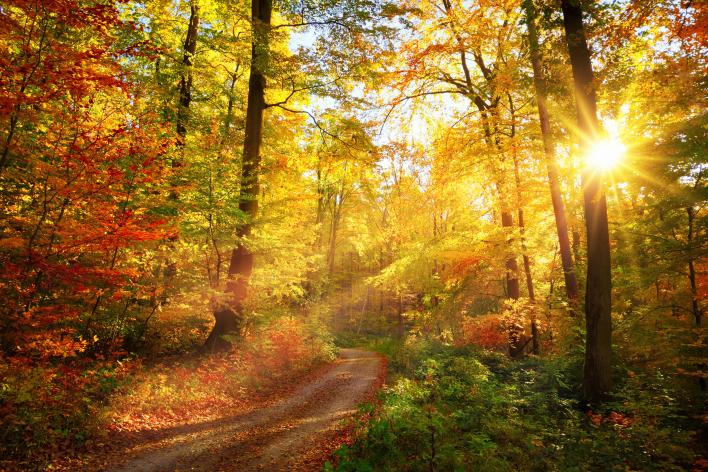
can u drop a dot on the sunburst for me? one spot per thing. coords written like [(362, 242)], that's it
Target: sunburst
[(606, 154)]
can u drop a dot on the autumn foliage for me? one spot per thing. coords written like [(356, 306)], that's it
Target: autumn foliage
[(410, 176), (485, 331), (51, 410), (167, 395), (80, 181), (80, 169)]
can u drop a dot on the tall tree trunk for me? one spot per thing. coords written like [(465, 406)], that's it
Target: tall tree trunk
[(486, 111), (525, 255), (697, 312), (185, 99), (598, 289), (519, 205), (332, 249), (185, 82), (571, 284), (229, 314), (507, 218), (512, 267), (695, 305)]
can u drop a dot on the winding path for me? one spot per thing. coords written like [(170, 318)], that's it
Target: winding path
[(285, 435)]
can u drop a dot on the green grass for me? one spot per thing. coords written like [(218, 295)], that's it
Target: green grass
[(384, 345)]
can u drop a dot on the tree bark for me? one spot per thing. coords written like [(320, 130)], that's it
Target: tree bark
[(512, 268), (535, 344), (185, 99), (229, 314), (697, 312), (571, 284), (598, 291), (185, 82), (519, 205), (695, 305)]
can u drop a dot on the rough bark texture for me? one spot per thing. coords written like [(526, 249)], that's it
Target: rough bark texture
[(229, 315), (598, 321), (571, 284)]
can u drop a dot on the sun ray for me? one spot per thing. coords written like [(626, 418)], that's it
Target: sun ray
[(606, 154)]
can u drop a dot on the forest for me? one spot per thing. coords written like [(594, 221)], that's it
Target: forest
[(353, 235)]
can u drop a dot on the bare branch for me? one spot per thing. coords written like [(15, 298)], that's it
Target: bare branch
[(410, 97)]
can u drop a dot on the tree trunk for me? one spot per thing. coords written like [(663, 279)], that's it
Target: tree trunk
[(571, 284), (229, 314), (332, 250), (492, 140), (185, 82), (512, 268), (695, 305), (525, 255), (598, 291), (519, 205), (535, 344), (697, 312), (185, 99)]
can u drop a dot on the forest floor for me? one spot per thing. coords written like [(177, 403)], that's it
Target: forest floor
[(295, 430)]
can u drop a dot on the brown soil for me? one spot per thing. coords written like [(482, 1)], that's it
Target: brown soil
[(289, 434)]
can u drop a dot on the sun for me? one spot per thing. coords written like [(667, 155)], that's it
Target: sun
[(606, 154)]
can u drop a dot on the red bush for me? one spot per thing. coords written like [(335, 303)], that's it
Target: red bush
[(486, 331)]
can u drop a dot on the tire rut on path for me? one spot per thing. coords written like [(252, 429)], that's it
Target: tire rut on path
[(278, 437)]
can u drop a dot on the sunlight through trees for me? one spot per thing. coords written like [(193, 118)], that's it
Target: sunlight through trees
[(507, 198)]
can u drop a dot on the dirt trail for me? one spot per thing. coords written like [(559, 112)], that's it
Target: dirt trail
[(285, 435)]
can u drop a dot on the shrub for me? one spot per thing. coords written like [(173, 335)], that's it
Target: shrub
[(46, 408), (469, 409), (167, 394)]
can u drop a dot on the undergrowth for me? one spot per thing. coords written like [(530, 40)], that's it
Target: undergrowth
[(464, 408), (50, 409)]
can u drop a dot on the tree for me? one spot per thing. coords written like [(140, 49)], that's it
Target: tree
[(571, 284), (83, 159), (470, 58), (185, 81), (229, 314), (598, 289)]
